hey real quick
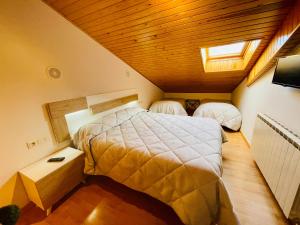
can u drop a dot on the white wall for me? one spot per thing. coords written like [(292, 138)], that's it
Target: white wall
[(280, 103), (201, 96), (33, 37)]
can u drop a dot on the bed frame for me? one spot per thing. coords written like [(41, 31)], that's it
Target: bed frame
[(57, 111)]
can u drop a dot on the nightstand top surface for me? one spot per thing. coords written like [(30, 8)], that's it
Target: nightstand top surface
[(42, 168)]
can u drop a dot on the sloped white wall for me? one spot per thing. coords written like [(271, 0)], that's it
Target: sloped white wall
[(280, 103), (33, 37)]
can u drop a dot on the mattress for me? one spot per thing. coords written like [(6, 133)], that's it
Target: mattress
[(175, 159), (225, 113)]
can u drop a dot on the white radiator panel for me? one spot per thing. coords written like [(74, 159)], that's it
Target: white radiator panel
[(277, 153)]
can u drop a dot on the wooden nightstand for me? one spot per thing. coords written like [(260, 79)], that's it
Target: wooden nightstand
[(191, 105), (46, 183)]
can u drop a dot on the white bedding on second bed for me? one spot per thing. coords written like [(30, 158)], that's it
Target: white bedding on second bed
[(175, 159), (168, 107), (225, 113)]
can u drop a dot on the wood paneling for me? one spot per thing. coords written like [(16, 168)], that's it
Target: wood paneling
[(286, 38), (57, 112), (161, 38), (102, 201), (100, 107)]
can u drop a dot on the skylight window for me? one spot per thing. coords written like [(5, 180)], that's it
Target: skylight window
[(227, 51), (232, 57)]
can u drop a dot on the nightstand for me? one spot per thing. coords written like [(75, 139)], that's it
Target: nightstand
[(191, 105), (46, 183)]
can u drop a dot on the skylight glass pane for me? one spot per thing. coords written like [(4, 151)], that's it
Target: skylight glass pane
[(226, 50)]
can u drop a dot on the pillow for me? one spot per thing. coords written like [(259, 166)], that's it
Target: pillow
[(104, 123), (180, 100), (207, 100), (168, 107)]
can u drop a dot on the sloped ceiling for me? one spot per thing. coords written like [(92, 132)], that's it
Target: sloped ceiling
[(161, 38)]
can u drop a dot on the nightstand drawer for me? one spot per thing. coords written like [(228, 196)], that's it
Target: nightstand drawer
[(55, 185)]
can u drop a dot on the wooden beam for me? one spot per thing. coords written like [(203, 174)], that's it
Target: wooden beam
[(284, 40)]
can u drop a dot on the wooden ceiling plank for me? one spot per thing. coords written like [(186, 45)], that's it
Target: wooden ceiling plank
[(127, 34), (60, 4), (158, 42), (280, 13), (192, 56), (132, 13), (51, 1), (230, 37), (161, 17), (201, 35), (170, 62), (93, 13), (184, 46), (87, 6), (195, 46), (209, 42), (169, 65), (200, 30), (162, 40), (219, 11)]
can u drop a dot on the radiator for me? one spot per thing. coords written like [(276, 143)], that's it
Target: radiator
[(277, 153)]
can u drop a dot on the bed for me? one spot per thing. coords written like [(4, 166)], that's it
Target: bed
[(175, 159), (225, 113), (168, 107)]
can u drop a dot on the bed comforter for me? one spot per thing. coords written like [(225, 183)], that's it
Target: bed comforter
[(226, 114), (174, 159), (168, 107)]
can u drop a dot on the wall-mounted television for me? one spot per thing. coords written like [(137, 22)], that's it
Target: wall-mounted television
[(287, 71)]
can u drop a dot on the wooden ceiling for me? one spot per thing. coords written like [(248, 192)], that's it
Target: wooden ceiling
[(161, 39)]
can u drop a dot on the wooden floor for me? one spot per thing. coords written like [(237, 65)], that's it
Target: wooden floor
[(104, 202), (250, 194)]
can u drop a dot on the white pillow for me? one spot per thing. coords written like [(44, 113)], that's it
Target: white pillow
[(168, 107)]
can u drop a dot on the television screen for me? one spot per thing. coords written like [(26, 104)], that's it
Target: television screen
[(287, 72)]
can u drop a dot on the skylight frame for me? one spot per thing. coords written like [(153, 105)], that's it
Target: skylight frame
[(236, 63), (236, 55)]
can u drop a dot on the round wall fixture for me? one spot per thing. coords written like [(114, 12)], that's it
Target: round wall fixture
[(53, 72)]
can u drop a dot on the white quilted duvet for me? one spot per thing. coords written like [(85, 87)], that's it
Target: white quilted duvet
[(226, 114), (174, 159)]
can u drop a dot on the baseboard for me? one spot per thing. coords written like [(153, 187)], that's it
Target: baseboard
[(245, 139)]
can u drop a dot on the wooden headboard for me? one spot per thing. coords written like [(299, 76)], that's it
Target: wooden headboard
[(101, 107), (58, 110)]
